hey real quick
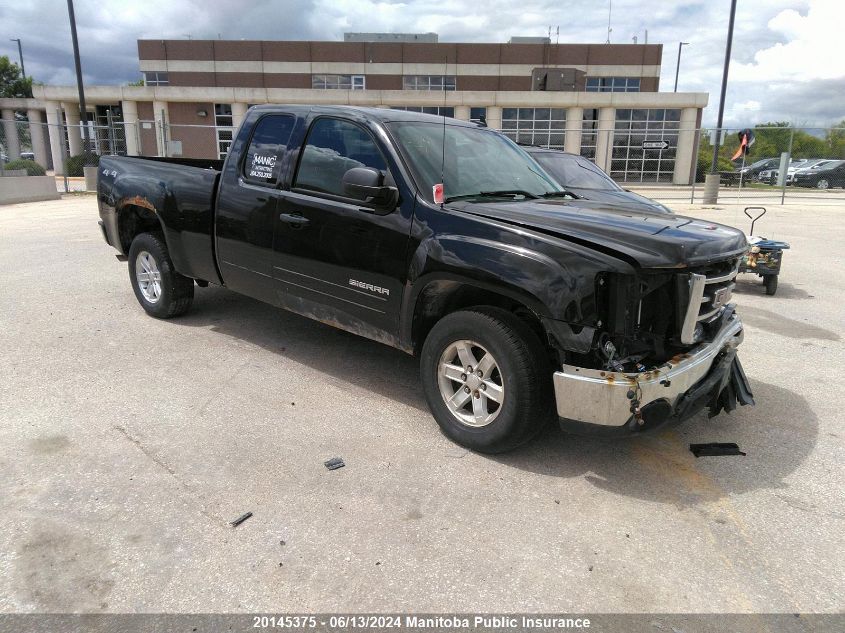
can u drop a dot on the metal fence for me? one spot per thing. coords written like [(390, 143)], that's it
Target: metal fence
[(656, 157)]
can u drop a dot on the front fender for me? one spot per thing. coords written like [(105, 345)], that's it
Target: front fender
[(556, 289)]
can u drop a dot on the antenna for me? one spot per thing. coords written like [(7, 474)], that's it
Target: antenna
[(609, 9), (439, 190)]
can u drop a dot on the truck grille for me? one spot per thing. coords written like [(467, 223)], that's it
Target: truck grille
[(710, 290)]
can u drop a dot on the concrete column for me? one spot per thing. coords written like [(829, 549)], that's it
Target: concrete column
[(74, 133), (494, 117), (462, 112), (130, 127), (238, 114), (604, 138), (574, 123), (57, 144), (36, 133), (161, 120), (10, 129), (685, 153)]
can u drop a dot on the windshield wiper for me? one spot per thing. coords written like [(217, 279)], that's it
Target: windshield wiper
[(504, 193), (561, 194)]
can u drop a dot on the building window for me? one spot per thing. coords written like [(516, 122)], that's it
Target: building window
[(630, 162), (438, 110), (476, 115), (156, 79), (589, 133), (613, 84), (428, 82), (224, 129), (338, 82), (535, 126)]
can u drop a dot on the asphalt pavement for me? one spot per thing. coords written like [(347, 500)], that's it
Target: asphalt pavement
[(128, 444)]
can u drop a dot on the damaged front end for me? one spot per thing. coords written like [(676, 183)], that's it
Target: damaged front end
[(665, 347)]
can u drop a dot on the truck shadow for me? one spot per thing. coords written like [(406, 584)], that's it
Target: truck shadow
[(348, 357), (752, 285), (778, 435)]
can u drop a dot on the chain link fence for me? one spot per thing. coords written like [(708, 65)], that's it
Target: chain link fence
[(650, 152)]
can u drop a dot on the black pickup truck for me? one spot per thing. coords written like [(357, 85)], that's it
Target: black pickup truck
[(446, 240)]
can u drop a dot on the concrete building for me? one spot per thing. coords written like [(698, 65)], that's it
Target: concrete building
[(600, 100)]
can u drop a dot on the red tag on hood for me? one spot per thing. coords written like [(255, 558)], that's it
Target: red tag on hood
[(438, 193)]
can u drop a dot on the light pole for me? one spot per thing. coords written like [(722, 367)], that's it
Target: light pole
[(82, 109), (20, 53), (724, 88), (678, 67)]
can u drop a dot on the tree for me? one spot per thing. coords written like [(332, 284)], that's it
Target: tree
[(12, 83), (836, 140)]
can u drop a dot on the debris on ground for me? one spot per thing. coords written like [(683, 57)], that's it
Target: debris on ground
[(715, 449), (334, 463), (240, 519)]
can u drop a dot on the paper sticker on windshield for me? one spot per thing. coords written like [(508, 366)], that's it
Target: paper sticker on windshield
[(262, 166)]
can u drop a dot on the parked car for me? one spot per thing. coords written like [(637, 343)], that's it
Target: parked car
[(449, 242), (752, 171), (830, 175), (586, 181), (814, 164), (770, 176)]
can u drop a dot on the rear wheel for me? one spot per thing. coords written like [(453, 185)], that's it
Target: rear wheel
[(161, 291), (487, 379), (771, 283)]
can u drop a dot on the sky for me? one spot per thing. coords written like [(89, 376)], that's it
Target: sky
[(787, 62)]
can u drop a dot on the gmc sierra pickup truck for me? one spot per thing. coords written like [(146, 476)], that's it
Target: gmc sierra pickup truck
[(448, 241)]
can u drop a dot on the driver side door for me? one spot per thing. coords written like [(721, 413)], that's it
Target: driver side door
[(336, 259)]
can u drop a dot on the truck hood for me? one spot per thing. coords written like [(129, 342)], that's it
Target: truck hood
[(651, 239)]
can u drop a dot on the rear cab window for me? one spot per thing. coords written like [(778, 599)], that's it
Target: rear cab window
[(267, 148)]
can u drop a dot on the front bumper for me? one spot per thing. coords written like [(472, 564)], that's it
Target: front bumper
[(708, 374)]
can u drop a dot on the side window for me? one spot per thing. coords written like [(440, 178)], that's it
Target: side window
[(267, 147), (332, 148)]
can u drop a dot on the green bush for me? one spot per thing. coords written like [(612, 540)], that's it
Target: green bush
[(74, 164), (32, 168)]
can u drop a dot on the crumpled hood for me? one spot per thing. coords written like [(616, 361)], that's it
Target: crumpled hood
[(653, 240), (625, 199)]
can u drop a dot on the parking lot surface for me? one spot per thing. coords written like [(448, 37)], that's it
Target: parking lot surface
[(127, 444)]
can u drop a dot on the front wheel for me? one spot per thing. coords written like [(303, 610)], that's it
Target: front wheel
[(487, 379), (161, 291), (823, 184)]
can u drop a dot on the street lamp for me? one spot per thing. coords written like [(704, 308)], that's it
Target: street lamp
[(719, 119), (82, 109), (678, 67), (20, 53)]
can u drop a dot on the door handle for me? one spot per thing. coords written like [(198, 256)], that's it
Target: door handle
[(294, 218)]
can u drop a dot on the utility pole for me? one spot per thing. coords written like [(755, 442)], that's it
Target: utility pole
[(678, 68), (724, 88), (83, 111), (20, 53)]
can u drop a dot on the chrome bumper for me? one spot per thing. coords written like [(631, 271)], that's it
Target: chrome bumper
[(601, 397)]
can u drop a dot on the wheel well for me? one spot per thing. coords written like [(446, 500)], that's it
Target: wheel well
[(440, 298), (133, 220)]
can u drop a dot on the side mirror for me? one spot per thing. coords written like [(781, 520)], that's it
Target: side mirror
[(367, 184)]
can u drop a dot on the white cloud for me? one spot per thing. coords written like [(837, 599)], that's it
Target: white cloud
[(812, 50)]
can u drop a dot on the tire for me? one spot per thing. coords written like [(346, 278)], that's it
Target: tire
[(173, 293), (771, 283), (522, 374), (823, 183)]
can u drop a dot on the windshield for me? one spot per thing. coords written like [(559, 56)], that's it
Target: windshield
[(476, 160), (574, 171)]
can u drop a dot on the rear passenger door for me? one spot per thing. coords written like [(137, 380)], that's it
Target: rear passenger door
[(337, 259), (247, 204)]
